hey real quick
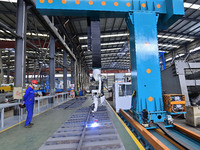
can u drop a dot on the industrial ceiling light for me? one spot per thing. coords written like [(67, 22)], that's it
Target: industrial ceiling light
[(175, 38), (168, 59), (192, 6), (196, 49), (11, 1)]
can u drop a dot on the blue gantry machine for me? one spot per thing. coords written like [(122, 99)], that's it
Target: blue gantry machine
[(143, 17)]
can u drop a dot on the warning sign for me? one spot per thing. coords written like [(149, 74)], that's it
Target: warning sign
[(17, 93)]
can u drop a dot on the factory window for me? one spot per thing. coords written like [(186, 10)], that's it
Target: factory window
[(125, 90)]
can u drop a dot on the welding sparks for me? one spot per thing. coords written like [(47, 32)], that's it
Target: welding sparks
[(95, 124)]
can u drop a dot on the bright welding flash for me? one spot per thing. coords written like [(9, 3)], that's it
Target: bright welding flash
[(95, 124)]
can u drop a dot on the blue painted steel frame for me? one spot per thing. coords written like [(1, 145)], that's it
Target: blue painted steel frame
[(145, 69), (142, 17)]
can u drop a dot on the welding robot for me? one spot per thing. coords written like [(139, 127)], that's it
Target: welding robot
[(97, 95)]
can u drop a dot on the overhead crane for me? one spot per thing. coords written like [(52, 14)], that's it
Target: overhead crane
[(143, 18)]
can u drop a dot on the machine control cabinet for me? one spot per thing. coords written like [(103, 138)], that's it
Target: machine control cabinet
[(122, 96)]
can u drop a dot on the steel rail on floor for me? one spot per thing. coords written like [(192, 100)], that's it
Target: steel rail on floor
[(83, 133), (143, 133), (189, 139)]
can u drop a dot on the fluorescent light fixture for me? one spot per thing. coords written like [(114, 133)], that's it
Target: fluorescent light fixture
[(196, 49), (170, 45), (4, 39), (179, 55), (110, 49), (106, 36), (11, 1), (2, 31), (175, 38), (127, 34), (103, 44), (192, 6), (168, 59), (39, 34)]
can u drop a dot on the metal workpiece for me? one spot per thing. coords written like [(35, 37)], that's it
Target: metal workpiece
[(79, 132)]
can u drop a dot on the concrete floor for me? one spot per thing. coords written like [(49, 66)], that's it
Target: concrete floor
[(20, 138)]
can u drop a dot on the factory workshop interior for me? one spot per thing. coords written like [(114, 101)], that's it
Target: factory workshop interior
[(99, 74)]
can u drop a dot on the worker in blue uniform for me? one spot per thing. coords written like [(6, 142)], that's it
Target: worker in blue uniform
[(29, 103)]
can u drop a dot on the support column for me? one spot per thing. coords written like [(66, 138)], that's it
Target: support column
[(34, 70), (27, 70), (145, 68), (76, 75), (82, 77), (20, 43), (52, 66), (1, 68), (72, 71), (65, 70), (8, 69)]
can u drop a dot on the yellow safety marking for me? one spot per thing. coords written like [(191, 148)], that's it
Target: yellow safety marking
[(128, 130), (33, 117)]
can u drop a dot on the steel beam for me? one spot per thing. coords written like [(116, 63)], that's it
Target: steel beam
[(20, 43), (9, 29), (50, 27)]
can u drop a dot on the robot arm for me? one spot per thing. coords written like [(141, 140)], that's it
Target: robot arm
[(97, 95)]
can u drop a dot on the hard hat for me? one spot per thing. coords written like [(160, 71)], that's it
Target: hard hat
[(34, 82)]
